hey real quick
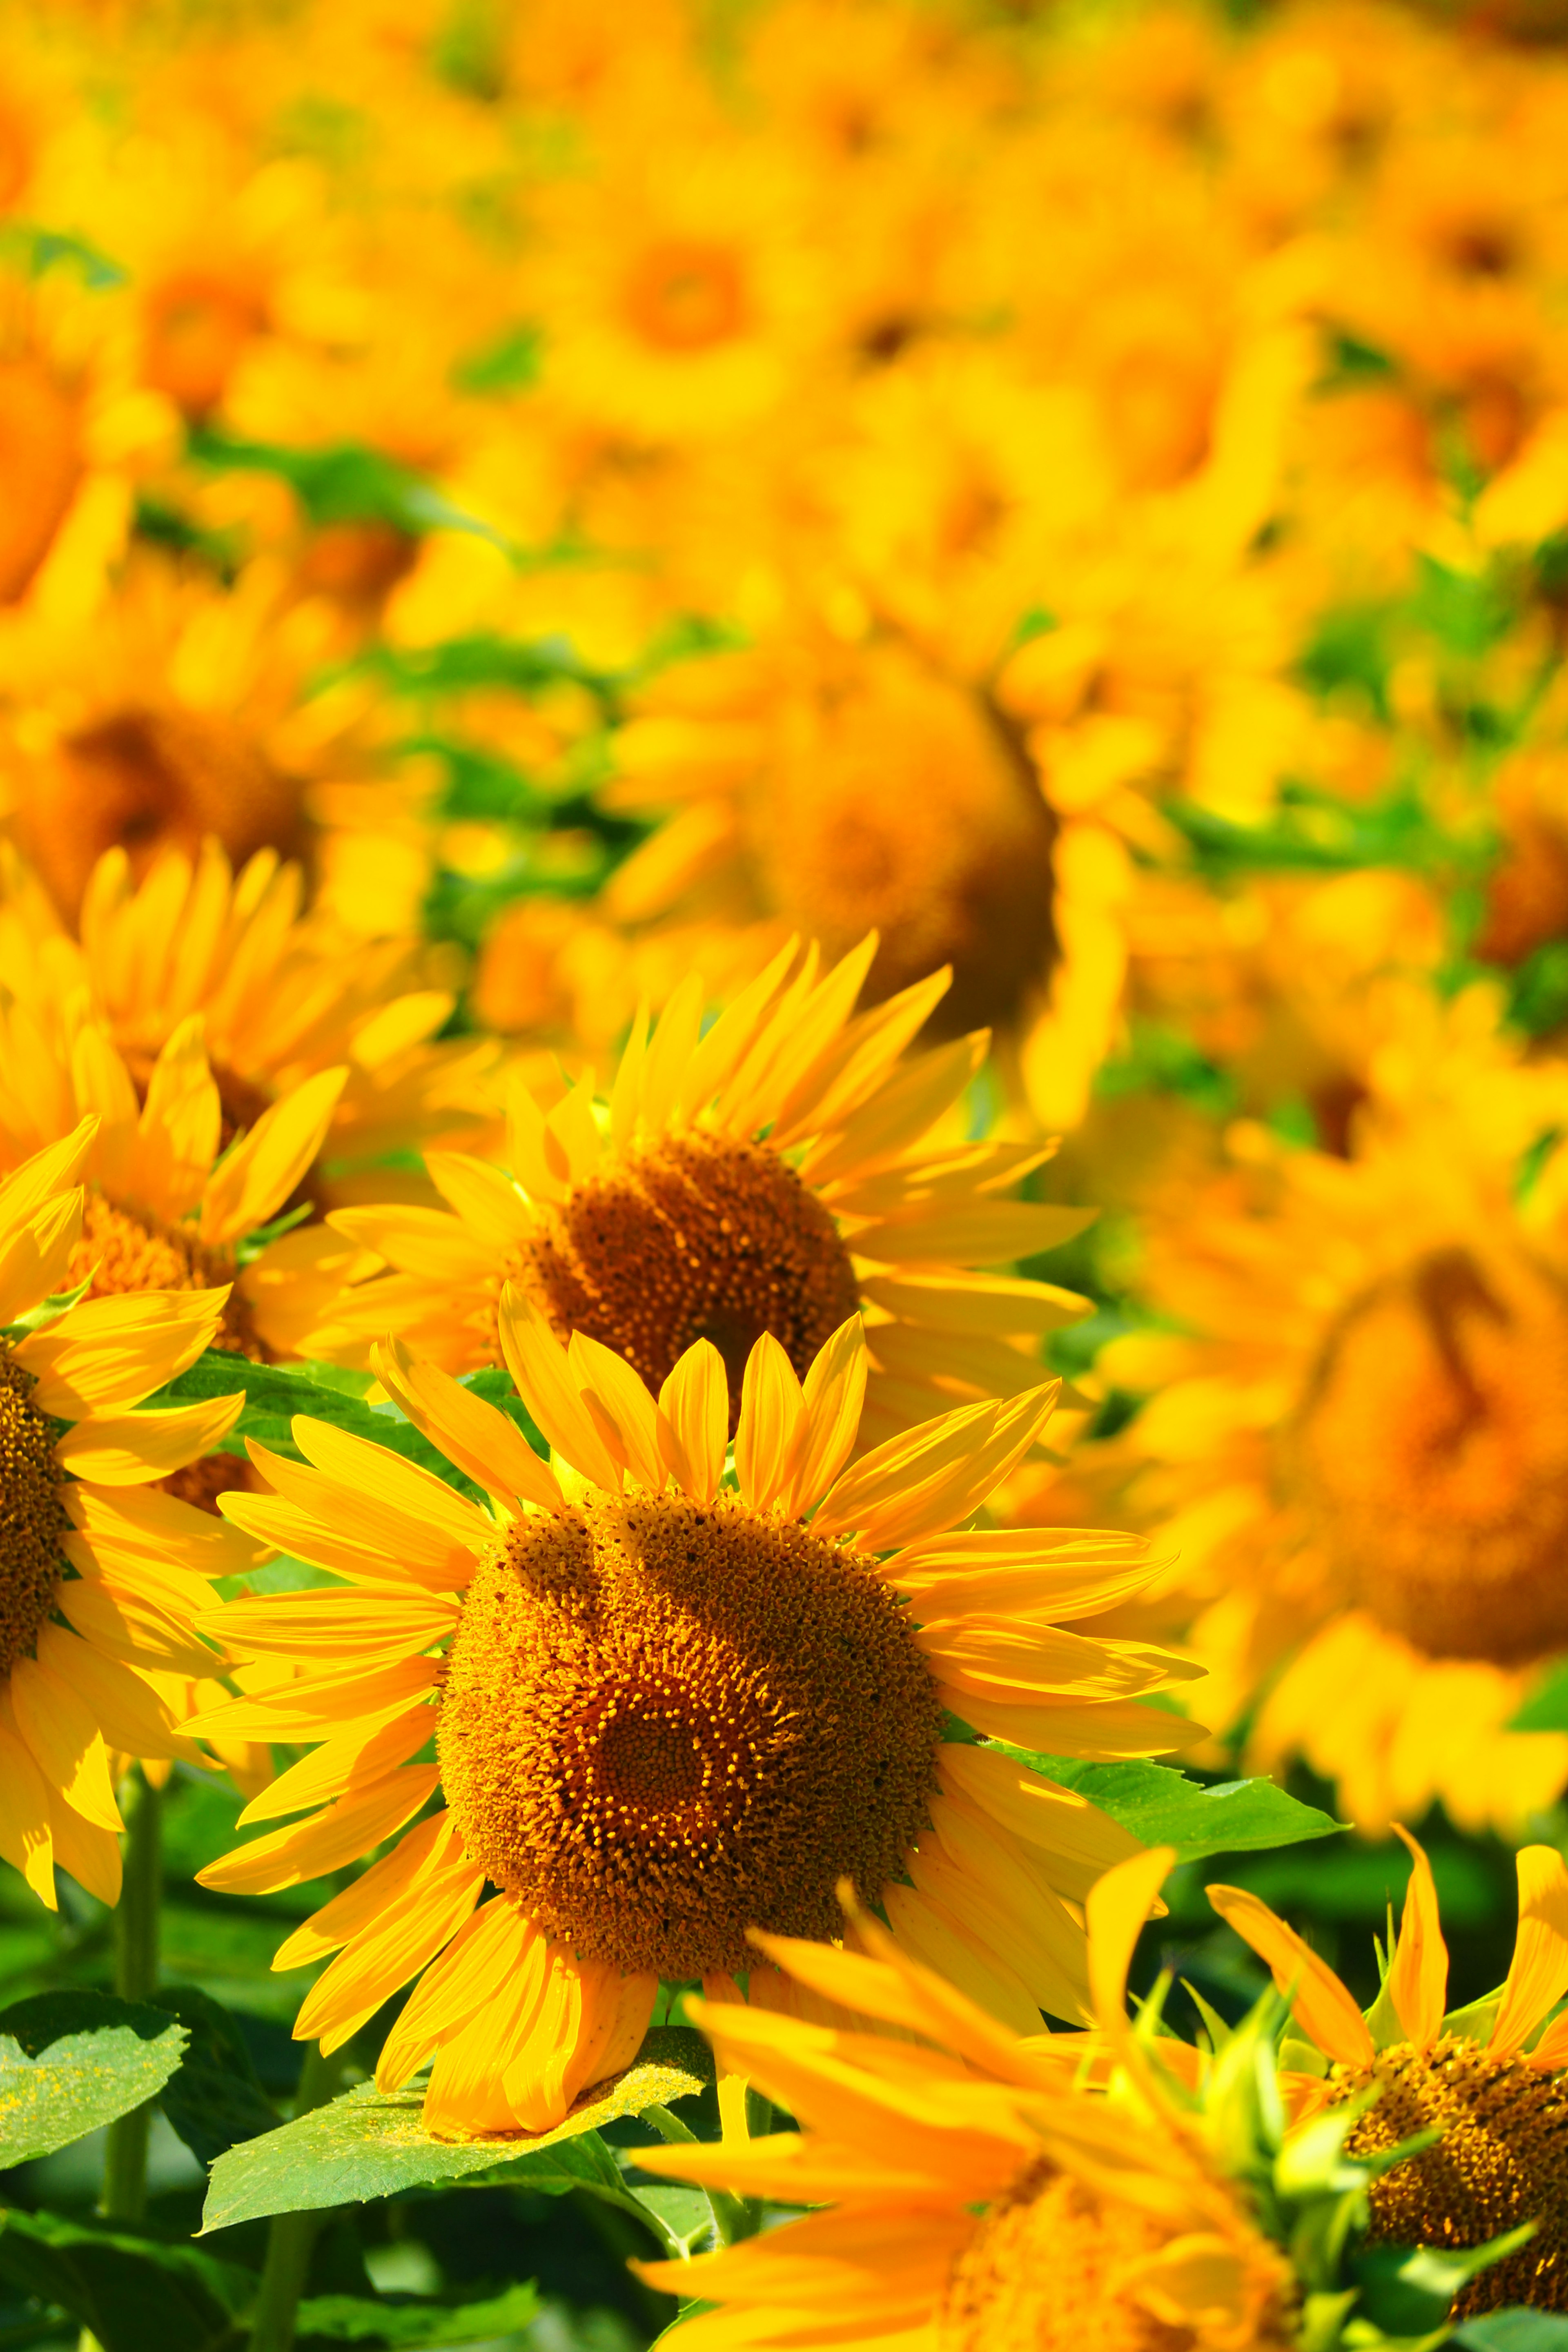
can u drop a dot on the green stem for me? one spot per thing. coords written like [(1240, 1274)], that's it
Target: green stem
[(135, 1979), (292, 2236), (733, 2217)]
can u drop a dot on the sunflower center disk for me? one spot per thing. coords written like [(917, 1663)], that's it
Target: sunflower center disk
[(1502, 2159), (695, 1238), (1039, 2274), (663, 1724), (33, 1520), (906, 806), (1433, 1456)]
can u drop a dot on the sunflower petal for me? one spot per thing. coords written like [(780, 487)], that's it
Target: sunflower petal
[(543, 1372), (470, 1431), (694, 1419), (1323, 2008), (1418, 1969), (1538, 1975), (772, 1409)]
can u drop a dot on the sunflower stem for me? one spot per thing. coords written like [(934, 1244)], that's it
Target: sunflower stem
[(291, 2237), (135, 1979)]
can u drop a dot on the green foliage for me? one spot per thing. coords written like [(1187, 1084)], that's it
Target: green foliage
[(1163, 1807), (33, 249), (70, 2062), (507, 363), (372, 2143), (413, 2319), (344, 482), (133, 2291), (1514, 2330)]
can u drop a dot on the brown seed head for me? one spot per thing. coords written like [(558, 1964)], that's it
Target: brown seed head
[(33, 1521), (663, 1724), (1502, 2159), (694, 1237)]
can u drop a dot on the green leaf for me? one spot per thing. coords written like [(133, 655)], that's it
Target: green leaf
[(372, 2143), (1546, 1708), (1163, 1807), (1517, 2329), (214, 2099), (416, 2319), (36, 249), (72, 2061), (509, 363), (134, 2292), (344, 483)]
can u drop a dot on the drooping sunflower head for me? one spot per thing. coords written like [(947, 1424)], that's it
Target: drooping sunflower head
[(985, 2194), (1486, 2080), (673, 1700), (99, 1575), (774, 1173)]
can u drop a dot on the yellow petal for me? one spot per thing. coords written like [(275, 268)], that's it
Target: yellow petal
[(1111, 1732), (670, 1053), (59, 1726), (834, 1391), (1538, 1975), (630, 1423), (310, 1707), (55, 1170), (541, 1370), (26, 1839), (132, 1715), (427, 1849), (471, 1433), (1116, 1912), (408, 1931), (884, 1129), (935, 1475), (1418, 1969), (340, 1767), (1323, 2008), (351, 1827), (35, 1260), (254, 1179), (180, 1128), (497, 1944), (332, 1627), (109, 1352), (133, 1448), (131, 1627), (694, 1421), (987, 1233), (130, 1524), (485, 1198), (399, 1485), (773, 1410)]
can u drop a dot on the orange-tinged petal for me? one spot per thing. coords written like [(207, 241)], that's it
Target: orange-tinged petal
[(388, 1477), (487, 1952), (333, 1625), (694, 1421), (1323, 2008), (26, 1839), (485, 1199), (407, 1931), (467, 2091), (56, 1168), (354, 1759), (109, 1352), (316, 1704), (1418, 1970), (1538, 1975), (919, 1484)]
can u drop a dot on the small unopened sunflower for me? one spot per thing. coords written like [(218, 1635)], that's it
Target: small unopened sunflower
[(284, 995), (981, 2198), (99, 1577), (1487, 2078), (668, 1706), (777, 1173)]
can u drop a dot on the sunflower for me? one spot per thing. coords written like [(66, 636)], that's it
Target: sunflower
[(102, 1576), (284, 996), (1487, 2078), (666, 1706), (1357, 1443), (980, 2199), (776, 1173), (162, 1211)]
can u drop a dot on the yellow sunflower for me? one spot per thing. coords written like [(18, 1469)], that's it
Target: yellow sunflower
[(102, 1576), (1355, 1438), (980, 2199), (1488, 2077), (163, 1211), (666, 1706), (284, 995), (774, 1174)]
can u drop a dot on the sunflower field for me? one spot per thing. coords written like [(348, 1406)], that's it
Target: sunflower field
[(783, 1175)]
